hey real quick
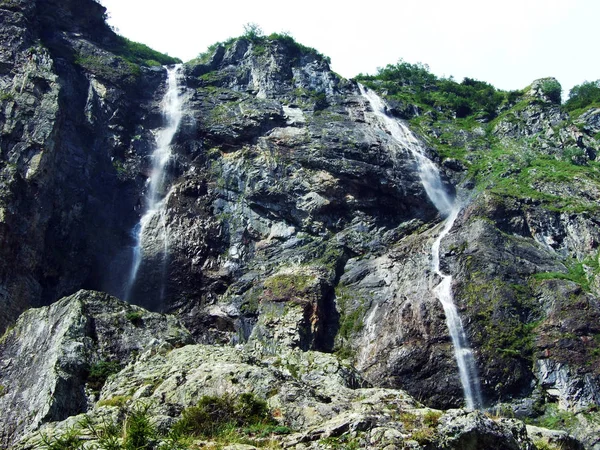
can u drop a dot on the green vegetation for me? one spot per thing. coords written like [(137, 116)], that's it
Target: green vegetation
[(318, 99), (139, 430), (552, 89), (432, 418), (245, 419), (555, 418), (123, 64), (352, 309), (344, 442), (6, 333), (111, 69), (119, 167), (251, 301), (297, 48), (69, 440), (118, 400), (461, 119), (540, 444), (141, 54), (414, 84), (287, 286), (99, 372), (421, 428), (214, 416), (503, 312), (581, 272), (584, 96), (351, 314), (6, 96), (576, 273), (260, 43), (519, 172), (253, 32), (135, 317)]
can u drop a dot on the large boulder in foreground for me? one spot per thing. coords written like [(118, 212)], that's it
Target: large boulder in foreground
[(55, 359), (314, 400)]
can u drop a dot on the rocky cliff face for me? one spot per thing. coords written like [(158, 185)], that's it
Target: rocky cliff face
[(71, 110), (56, 358), (296, 223)]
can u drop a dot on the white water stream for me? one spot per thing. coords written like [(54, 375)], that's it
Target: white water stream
[(156, 195), (432, 183), (465, 361)]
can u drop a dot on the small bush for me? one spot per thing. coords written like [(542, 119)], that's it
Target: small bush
[(99, 372), (214, 415), (287, 286), (423, 435), (118, 400), (140, 432), (108, 433), (344, 442), (409, 420), (431, 418), (69, 440), (253, 32), (583, 95), (135, 317), (544, 445), (552, 89), (6, 96)]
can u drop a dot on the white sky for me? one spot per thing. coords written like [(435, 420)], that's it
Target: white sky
[(507, 43)]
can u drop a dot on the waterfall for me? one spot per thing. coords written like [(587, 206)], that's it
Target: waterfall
[(151, 230), (428, 172), (447, 207), (467, 369)]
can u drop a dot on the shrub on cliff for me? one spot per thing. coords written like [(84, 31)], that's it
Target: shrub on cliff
[(552, 89), (584, 95), (413, 83)]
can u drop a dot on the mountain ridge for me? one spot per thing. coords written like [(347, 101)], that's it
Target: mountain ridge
[(297, 223)]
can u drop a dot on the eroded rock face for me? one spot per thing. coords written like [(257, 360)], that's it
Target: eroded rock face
[(278, 161), (71, 109), (48, 357), (295, 222)]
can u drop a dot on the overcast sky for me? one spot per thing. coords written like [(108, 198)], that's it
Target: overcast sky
[(508, 44)]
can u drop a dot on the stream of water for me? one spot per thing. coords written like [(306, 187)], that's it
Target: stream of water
[(156, 187), (448, 208)]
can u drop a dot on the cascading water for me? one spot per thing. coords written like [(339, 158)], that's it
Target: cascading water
[(467, 369), (432, 183), (154, 216), (428, 172)]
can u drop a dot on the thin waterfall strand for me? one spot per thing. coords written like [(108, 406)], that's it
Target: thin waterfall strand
[(467, 369), (428, 172), (447, 207), (155, 197)]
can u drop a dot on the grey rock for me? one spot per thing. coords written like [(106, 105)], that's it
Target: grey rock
[(46, 357)]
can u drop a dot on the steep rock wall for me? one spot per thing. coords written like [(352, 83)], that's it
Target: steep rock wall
[(71, 110)]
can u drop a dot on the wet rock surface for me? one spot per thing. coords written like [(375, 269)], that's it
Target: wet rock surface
[(297, 228), (71, 110)]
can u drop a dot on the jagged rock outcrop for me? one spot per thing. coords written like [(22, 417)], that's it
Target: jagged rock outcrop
[(309, 391), (280, 162), (295, 223), (55, 359)]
